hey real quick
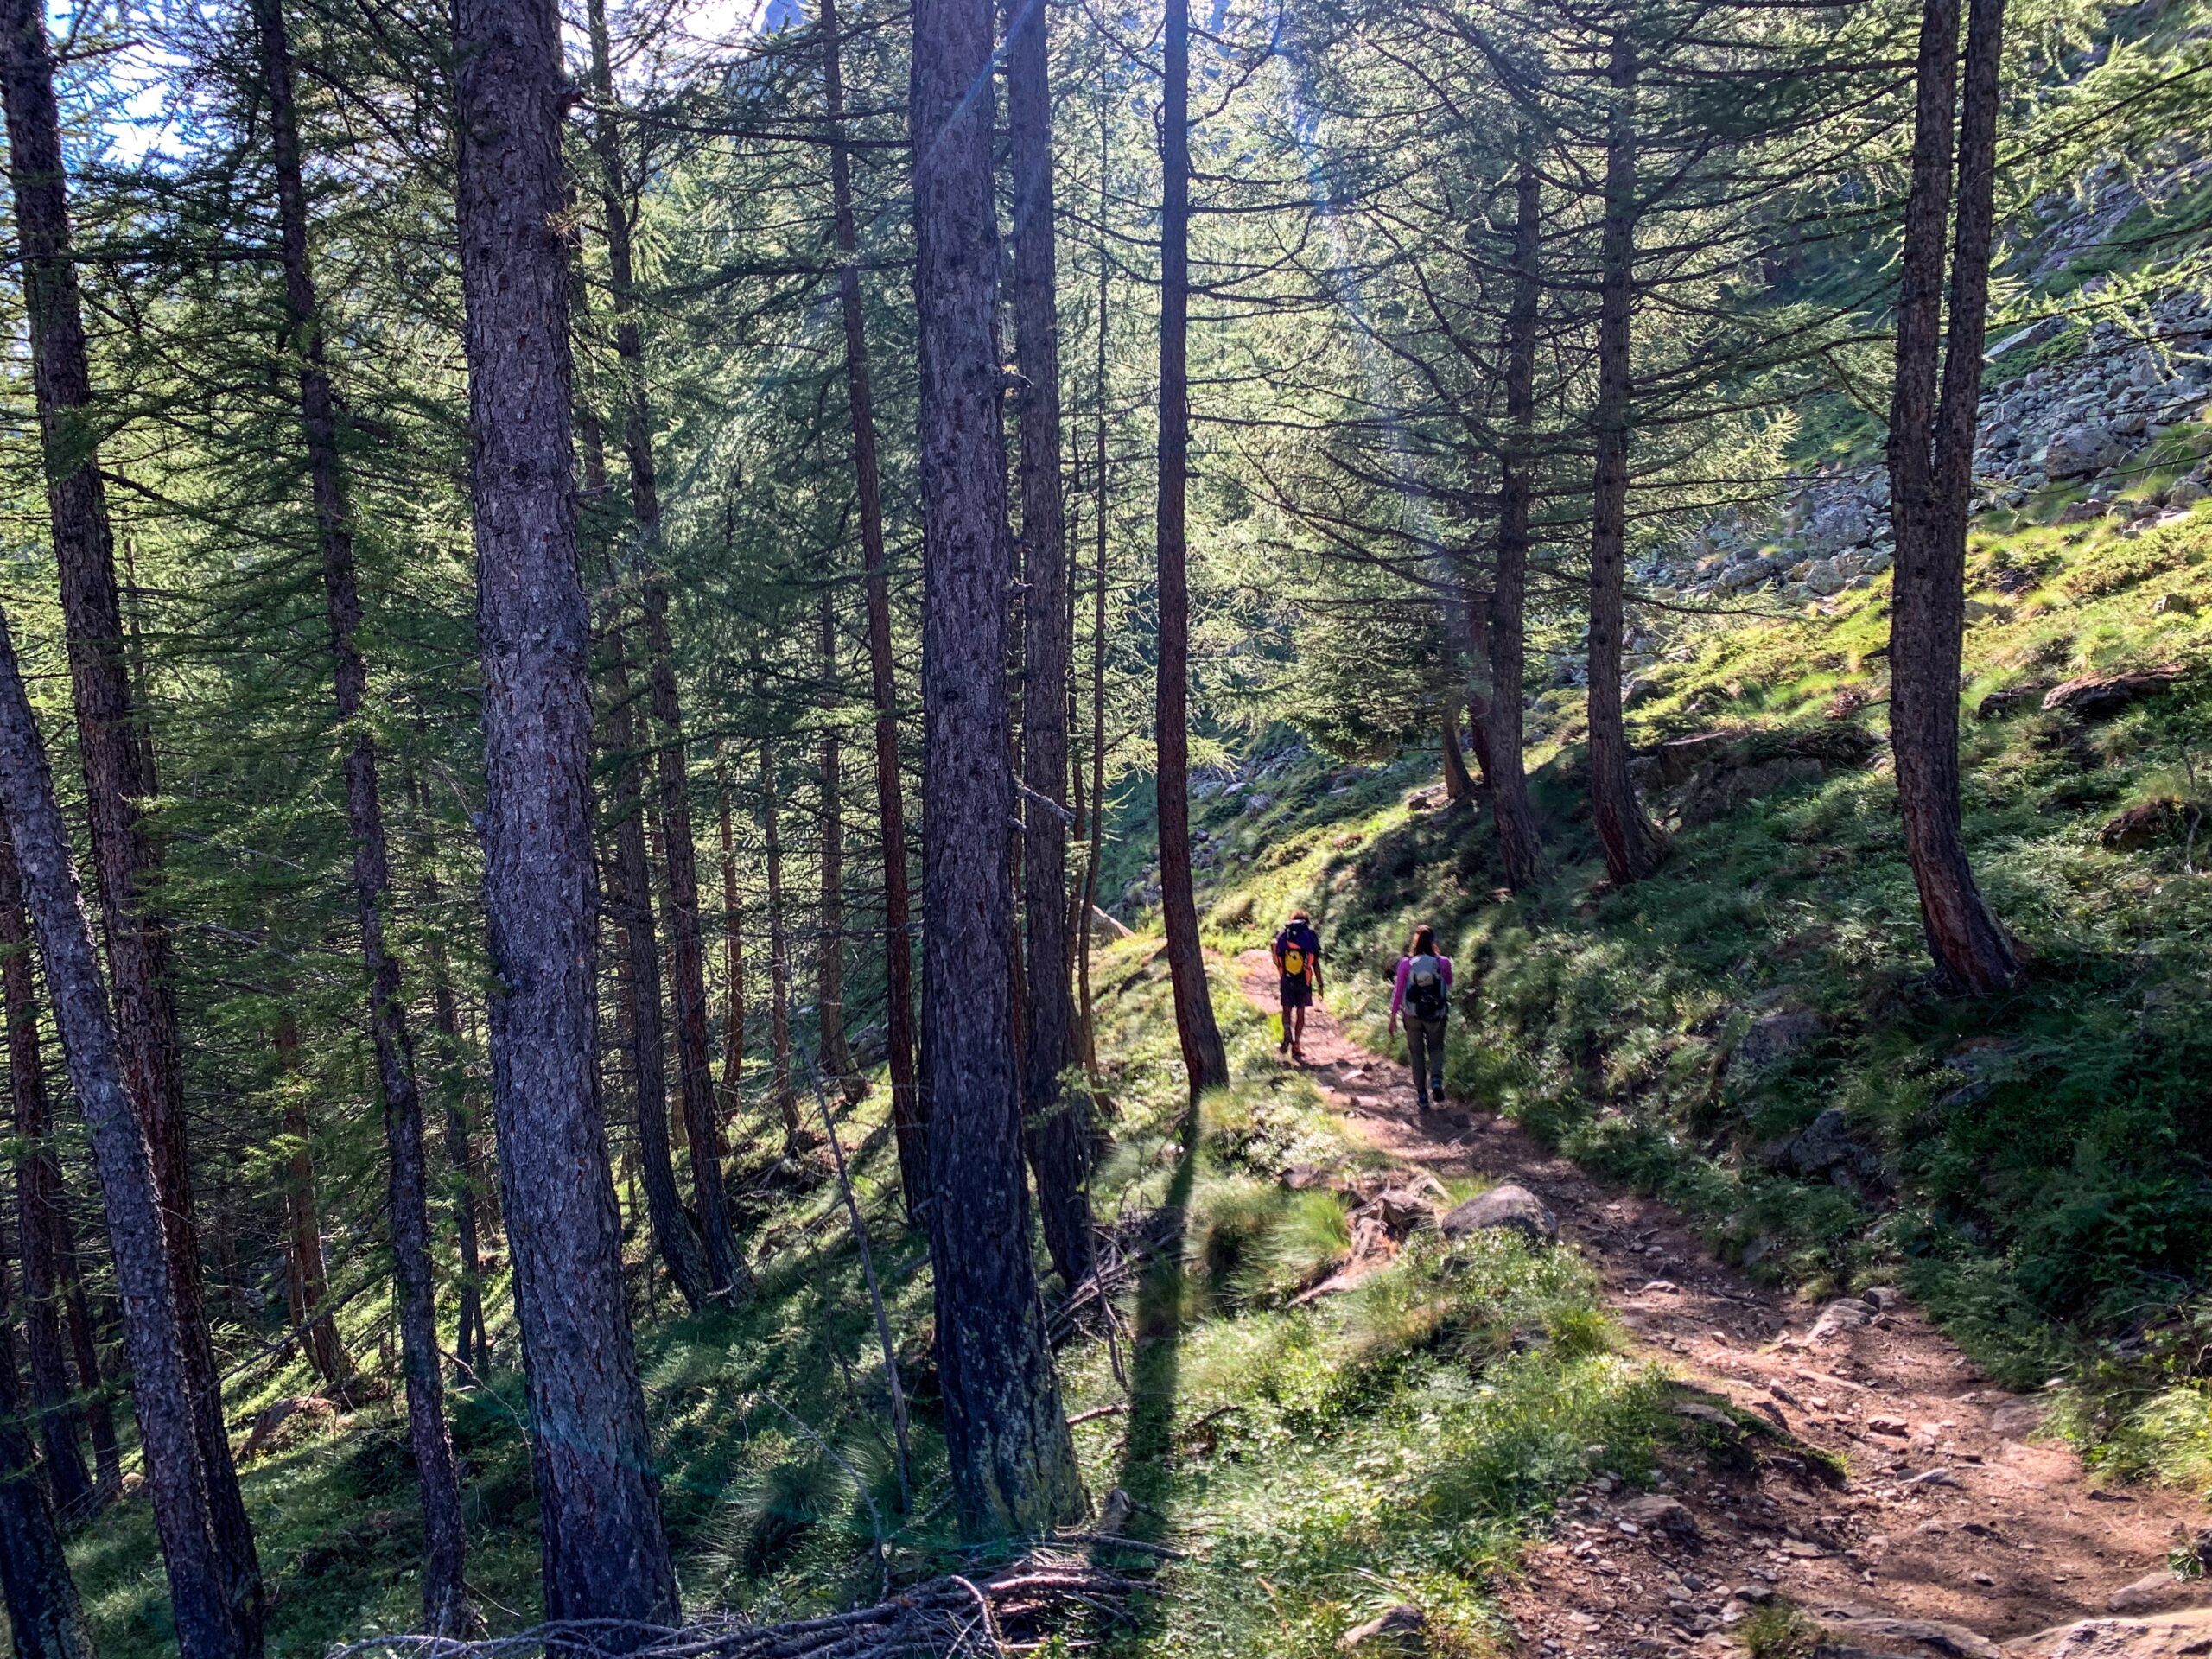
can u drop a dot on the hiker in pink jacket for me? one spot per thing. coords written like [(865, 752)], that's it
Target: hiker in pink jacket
[(1422, 996)]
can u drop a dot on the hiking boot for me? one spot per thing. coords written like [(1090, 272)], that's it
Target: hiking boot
[(1436, 1087)]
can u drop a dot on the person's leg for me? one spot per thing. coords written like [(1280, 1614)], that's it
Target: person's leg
[(1298, 1042), (1436, 1061), (1417, 1057)]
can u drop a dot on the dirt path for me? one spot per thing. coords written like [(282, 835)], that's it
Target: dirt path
[(1950, 1513)]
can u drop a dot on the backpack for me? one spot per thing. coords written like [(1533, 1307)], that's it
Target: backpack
[(1425, 998), (1293, 959)]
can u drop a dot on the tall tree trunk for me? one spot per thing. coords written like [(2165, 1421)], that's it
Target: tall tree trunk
[(1013, 1459), (45, 1618), (43, 1219), (629, 900), (209, 1623), (116, 754), (1520, 847), (472, 1341), (890, 788), (1205, 1062), (1930, 465), (604, 1552), (1056, 1122), (445, 1598), (1458, 782), (733, 950), (780, 952), (1634, 846), (306, 1275), (1099, 545), (835, 1052), (732, 1280)]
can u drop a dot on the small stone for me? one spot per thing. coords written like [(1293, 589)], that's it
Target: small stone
[(1847, 1313), (1657, 1513), (1888, 1426)]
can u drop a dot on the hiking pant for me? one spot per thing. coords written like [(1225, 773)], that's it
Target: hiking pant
[(1424, 1047)]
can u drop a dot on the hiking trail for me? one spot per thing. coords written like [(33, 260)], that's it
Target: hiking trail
[(1953, 1511)]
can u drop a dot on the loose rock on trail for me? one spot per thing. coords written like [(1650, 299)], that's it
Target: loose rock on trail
[(1957, 1533)]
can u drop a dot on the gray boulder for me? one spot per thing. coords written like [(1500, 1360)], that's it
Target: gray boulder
[(1837, 524), (1902, 1639), (1777, 1036), (2079, 451), (1509, 1207), (2164, 1637)]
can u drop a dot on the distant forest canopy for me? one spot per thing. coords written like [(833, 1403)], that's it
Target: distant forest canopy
[(594, 589)]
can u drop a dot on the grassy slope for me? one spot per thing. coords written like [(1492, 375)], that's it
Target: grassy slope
[(2044, 1184), (1316, 1462)]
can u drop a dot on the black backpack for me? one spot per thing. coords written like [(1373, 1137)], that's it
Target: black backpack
[(1425, 998)]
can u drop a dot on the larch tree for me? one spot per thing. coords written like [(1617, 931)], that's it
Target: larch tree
[(46, 1618), (603, 1550), (883, 693), (445, 1596), (1933, 414), (1013, 1458), (209, 1623), (1205, 1060), (116, 751), (732, 1280), (41, 1216), (1056, 1121)]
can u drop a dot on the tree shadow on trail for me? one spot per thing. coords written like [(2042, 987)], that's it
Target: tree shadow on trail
[(1147, 1465)]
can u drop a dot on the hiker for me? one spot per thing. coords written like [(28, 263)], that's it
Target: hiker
[(1298, 961), (1423, 995)]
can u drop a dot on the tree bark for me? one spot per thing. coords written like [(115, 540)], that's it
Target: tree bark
[(445, 1598), (1634, 846), (1013, 1459), (835, 1052), (1205, 1062), (604, 1552), (116, 754), (1520, 847), (1930, 463), (42, 1217), (629, 900), (779, 953), (890, 788), (209, 1623), (306, 1275), (1056, 1122), (45, 1618), (732, 1280)]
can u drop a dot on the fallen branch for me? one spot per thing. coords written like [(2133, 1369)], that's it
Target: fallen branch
[(938, 1620)]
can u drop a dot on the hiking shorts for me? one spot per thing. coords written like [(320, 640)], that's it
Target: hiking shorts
[(1297, 993)]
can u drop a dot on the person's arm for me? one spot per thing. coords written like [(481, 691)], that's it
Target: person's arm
[(1446, 961), (1398, 992), (1316, 957)]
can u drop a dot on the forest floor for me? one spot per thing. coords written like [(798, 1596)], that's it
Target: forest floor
[(1952, 1508)]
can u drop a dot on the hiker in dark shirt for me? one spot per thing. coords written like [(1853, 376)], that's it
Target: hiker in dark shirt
[(1423, 996), (1297, 963)]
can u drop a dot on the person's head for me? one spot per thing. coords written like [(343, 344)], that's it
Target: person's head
[(1424, 943), (1297, 916)]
